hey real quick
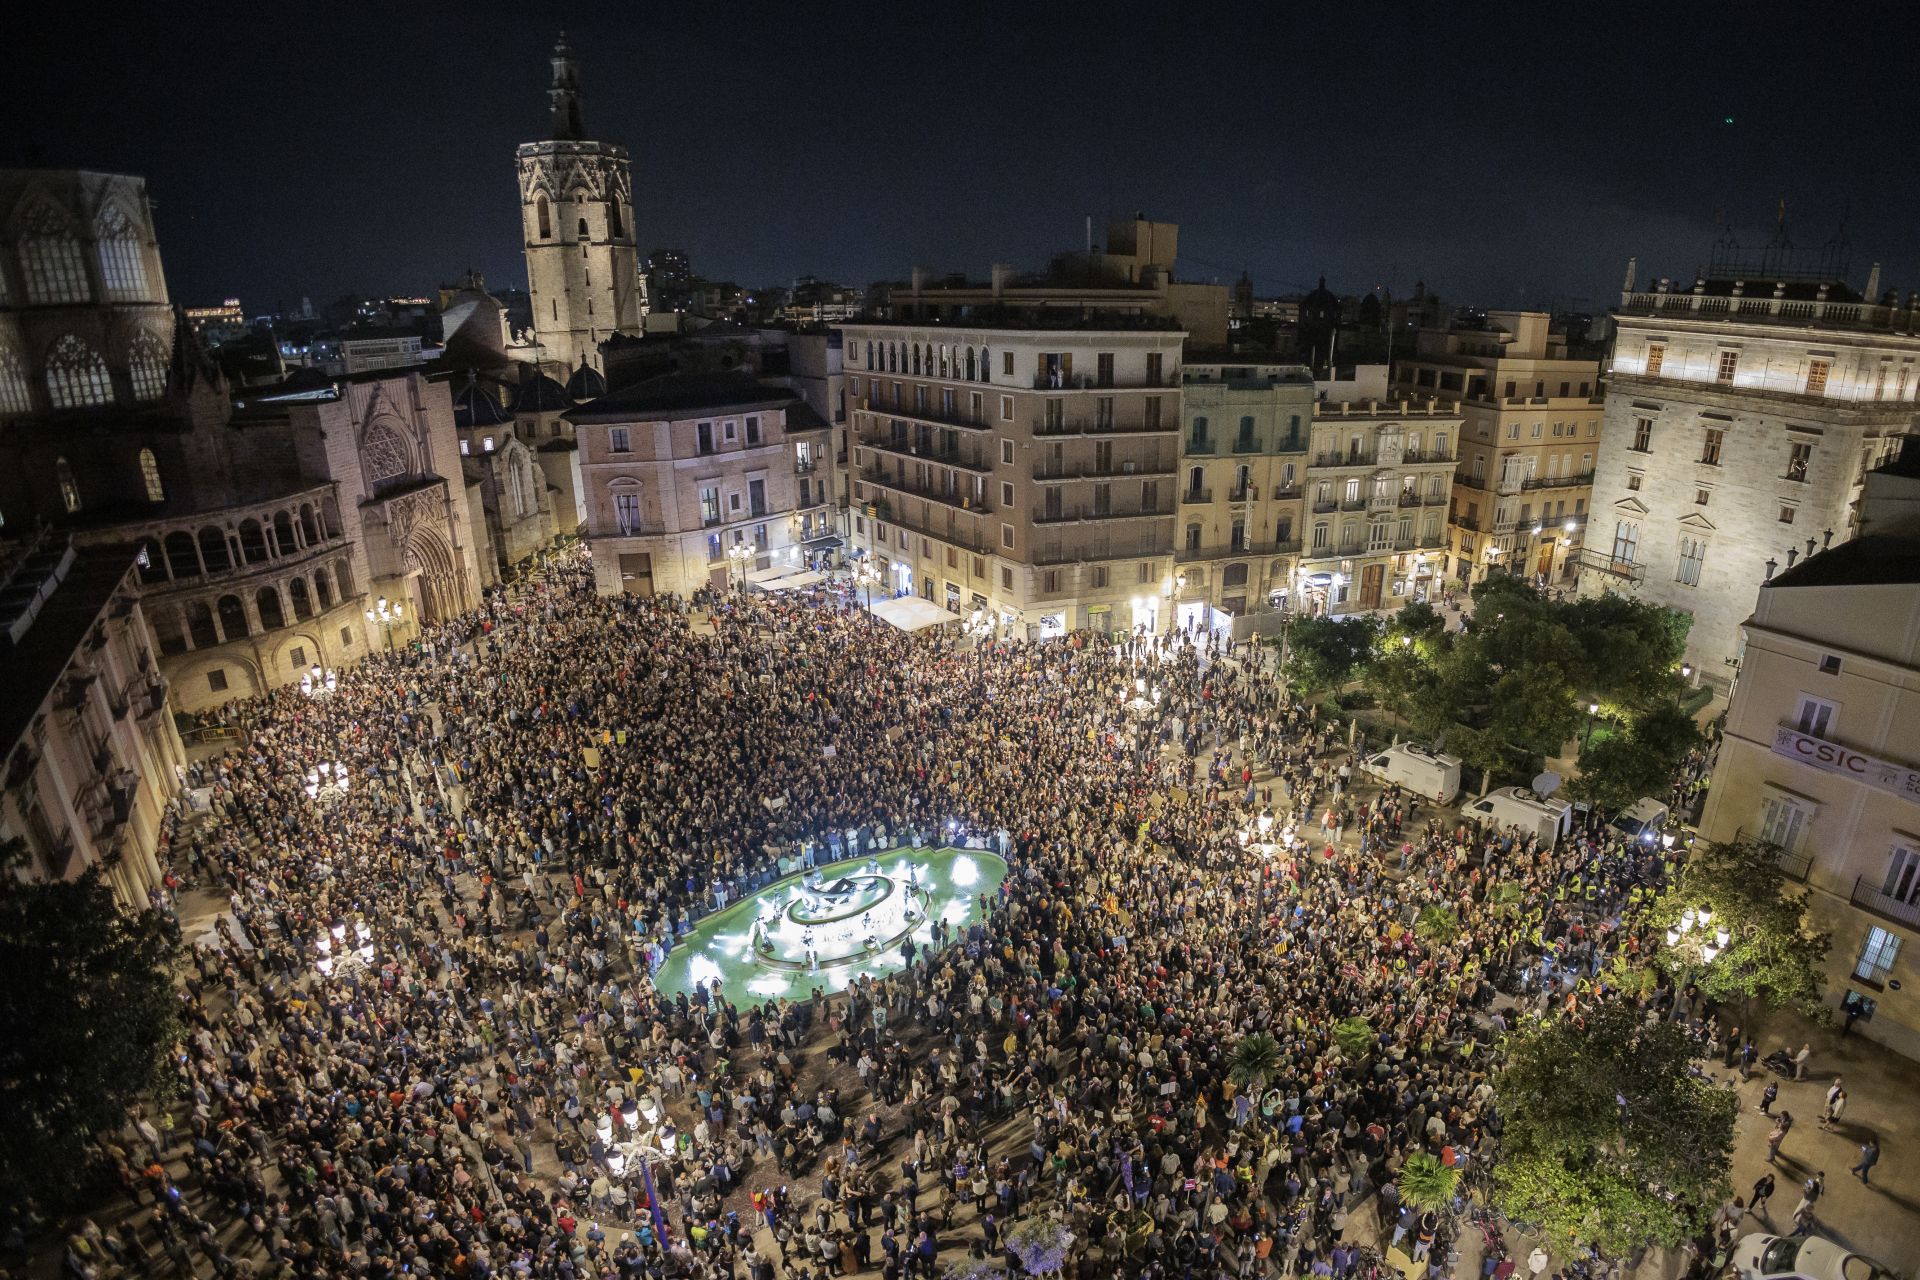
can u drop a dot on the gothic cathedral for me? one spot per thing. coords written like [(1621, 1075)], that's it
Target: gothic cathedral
[(576, 212)]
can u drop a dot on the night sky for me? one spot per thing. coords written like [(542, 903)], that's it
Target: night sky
[(1507, 155)]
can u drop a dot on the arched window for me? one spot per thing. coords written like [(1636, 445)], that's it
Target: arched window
[(323, 588), (616, 225), (200, 625), (386, 454), (213, 550), (253, 542), (155, 568), (150, 476), (14, 395), (76, 375), (267, 603), (69, 491), (123, 266), (543, 216), (283, 539), (1234, 575), (147, 366), (307, 525), (970, 364), (233, 618), (50, 259), (986, 364), (302, 605), (583, 230), (916, 358), (181, 557), (1193, 537)]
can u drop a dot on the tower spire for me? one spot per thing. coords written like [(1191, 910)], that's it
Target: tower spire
[(563, 99)]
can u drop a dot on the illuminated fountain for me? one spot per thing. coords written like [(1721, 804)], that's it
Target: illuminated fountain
[(824, 921)]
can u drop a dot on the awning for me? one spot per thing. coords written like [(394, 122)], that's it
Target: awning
[(825, 542), (911, 613), (795, 582), (768, 574)]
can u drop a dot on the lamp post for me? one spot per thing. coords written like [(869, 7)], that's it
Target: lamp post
[(387, 615), (1704, 946), (737, 555), (1593, 709), (319, 682), (326, 782), (865, 576)]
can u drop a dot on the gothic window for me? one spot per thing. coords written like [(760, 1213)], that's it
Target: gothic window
[(150, 476), (51, 261), (544, 216), (616, 225), (76, 375), (123, 268), (583, 231), (386, 454), (69, 491), (14, 396), (986, 364), (147, 366)]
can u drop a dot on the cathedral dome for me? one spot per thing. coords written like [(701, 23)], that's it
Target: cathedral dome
[(586, 383), (540, 394), (475, 406)]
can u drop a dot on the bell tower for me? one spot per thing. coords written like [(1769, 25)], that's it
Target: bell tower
[(576, 215)]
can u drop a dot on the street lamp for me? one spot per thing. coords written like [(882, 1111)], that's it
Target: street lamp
[(319, 682), (1593, 709), (326, 782), (1704, 946), (739, 553), (865, 576), (387, 615)]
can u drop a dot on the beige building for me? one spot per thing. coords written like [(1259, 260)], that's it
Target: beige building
[(1379, 476), (1528, 443), (91, 756), (576, 215), (1742, 416), (702, 480), (1821, 757), (1026, 471), (1243, 472)]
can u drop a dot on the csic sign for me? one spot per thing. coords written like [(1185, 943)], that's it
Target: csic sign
[(1831, 757)]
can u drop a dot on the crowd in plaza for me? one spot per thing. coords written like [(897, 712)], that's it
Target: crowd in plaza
[(543, 795)]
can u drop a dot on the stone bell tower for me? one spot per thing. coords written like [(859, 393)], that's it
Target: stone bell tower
[(576, 213)]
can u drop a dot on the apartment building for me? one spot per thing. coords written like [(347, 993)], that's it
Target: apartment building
[(1243, 472), (1379, 476), (701, 480), (1821, 758), (1022, 470), (1742, 415), (1531, 413)]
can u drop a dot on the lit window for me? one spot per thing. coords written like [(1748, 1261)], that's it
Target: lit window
[(1729, 364), (76, 375), (123, 268), (147, 366), (69, 491), (486, 445), (150, 476), (1817, 377), (618, 441), (1693, 551), (1877, 955), (14, 396), (1656, 356), (51, 261)]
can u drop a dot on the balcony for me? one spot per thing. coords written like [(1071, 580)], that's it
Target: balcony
[(1409, 498), (1200, 448), (958, 418), (1093, 382), (1249, 550), (1247, 444), (1325, 508), (1594, 560), (952, 498), (1087, 511), (1794, 866), (1427, 457), (1194, 496), (1096, 426), (1770, 310), (1094, 549), (944, 457), (805, 466), (1245, 493), (1365, 458), (1125, 471), (1868, 896), (1353, 504), (1465, 522), (1583, 480)]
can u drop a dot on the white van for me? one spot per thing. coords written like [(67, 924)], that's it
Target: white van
[(1643, 820), (1425, 773), (1517, 807)]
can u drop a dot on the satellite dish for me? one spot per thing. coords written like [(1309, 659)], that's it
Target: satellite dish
[(1546, 784)]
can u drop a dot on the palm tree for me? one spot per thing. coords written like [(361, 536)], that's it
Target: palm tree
[(1425, 1183), (1355, 1038), (1252, 1061), (1436, 923)]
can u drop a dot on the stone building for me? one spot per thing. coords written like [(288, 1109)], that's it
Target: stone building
[(1528, 442), (576, 214), (1379, 477), (698, 480), (1821, 759), (1742, 414), (509, 489), (88, 750)]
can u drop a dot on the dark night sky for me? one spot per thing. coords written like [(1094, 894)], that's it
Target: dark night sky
[(1506, 154)]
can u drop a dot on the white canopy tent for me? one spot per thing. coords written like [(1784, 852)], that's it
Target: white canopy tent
[(910, 613), (806, 578)]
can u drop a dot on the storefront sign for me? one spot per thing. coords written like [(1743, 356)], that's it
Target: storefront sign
[(1831, 757)]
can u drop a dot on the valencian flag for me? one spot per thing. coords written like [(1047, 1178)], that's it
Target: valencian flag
[(653, 1203)]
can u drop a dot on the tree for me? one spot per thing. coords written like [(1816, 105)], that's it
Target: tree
[(1622, 767), (87, 1015), (1436, 924), (1252, 1061), (1355, 1038), (1609, 1138), (1771, 952), (1324, 653), (1425, 1183)]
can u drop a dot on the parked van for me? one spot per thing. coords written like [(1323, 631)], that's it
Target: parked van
[(1518, 807), (1643, 820), (1425, 773)]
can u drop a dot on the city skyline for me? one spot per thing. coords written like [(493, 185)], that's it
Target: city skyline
[(1286, 146)]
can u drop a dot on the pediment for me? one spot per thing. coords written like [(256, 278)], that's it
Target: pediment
[(1694, 520), (1633, 505)]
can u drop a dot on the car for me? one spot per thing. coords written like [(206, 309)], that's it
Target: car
[(1764, 1257)]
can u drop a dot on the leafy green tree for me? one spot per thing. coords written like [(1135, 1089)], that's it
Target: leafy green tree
[(88, 1012), (1620, 768), (1609, 1139), (1252, 1061), (1425, 1183), (1324, 653), (1772, 953), (1436, 924), (1355, 1038)]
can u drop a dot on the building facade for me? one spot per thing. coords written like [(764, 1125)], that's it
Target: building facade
[(701, 480), (1821, 758), (1741, 417), (576, 215), (91, 756), (1022, 470), (1529, 440)]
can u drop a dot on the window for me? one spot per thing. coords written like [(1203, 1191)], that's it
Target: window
[(757, 497), (1799, 460), (626, 511), (1729, 364), (69, 491), (1700, 497), (1902, 881), (1656, 356), (297, 657), (1816, 717), (122, 267), (486, 445), (1006, 453), (465, 448), (1786, 515), (1710, 447), (150, 476), (1006, 536), (618, 440), (1830, 664), (1099, 576), (1626, 542), (1877, 955), (710, 504), (1536, 431), (1817, 377), (1643, 435), (1513, 431), (1633, 482), (1783, 822), (14, 396), (51, 261), (76, 375), (1050, 582), (753, 431), (1006, 369), (1692, 552), (543, 215), (217, 681), (1320, 535), (147, 366), (1006, 495)]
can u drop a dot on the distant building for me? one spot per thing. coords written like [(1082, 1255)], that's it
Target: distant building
[(1527, 447), (88, 749), (218, 325), (363, 351), (1742, 415)]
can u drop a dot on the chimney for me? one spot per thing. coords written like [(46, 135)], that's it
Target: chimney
[(1632, 267), (1873, 283)]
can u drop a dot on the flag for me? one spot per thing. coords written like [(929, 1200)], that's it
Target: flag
[(653, 1203)]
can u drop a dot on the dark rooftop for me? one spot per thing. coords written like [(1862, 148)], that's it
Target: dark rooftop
[(1874, 559), (682, 392), (32, 665)]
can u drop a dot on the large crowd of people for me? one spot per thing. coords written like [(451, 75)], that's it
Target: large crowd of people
[(543, 796)]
